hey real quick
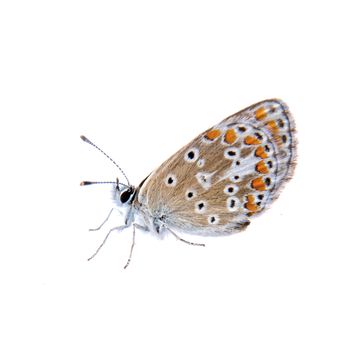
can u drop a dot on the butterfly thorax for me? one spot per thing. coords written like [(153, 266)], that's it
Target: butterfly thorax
[(155, 218)]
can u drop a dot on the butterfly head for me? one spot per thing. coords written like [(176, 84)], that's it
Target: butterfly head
[(124, 194)]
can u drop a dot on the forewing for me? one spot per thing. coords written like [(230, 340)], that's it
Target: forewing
[(227, 174)]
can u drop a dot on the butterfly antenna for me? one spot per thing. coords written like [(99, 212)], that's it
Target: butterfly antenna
[(85, 139), (86, 183)]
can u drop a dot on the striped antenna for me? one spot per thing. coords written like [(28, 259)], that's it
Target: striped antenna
[(84, 183)]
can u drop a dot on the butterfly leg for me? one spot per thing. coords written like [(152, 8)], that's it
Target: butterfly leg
[(183, 240), (118, 228), (144, 228), (105, 220)]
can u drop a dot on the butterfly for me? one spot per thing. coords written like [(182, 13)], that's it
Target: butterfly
[(218, 182)]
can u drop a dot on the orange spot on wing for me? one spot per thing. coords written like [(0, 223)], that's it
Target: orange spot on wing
[(230, 136), (260, 152), (272, 125), (262, 168), (260, 113), (250, 198), (251, 140), (258, 184), (250, 205), (213, 134)]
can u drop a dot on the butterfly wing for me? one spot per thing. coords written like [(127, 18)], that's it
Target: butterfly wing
[(226, 175)]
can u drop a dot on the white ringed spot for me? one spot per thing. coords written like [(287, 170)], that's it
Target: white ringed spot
[(191, 155), (201, 163), (204, 179), (200, 207), (213, 219), (231, 153), (190, 194), (230, 189), (170, 180), (232, 204)]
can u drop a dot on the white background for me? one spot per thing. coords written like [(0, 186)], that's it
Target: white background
[(141, 79)]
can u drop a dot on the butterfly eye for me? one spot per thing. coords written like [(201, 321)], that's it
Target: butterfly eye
[(125, 196)]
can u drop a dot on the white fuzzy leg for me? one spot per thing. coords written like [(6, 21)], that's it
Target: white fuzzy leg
[(144, 228), (105, 220), (118, 228), (183, 240)]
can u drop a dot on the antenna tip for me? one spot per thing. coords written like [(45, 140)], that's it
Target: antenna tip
[(85, 183), (85, 139)]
